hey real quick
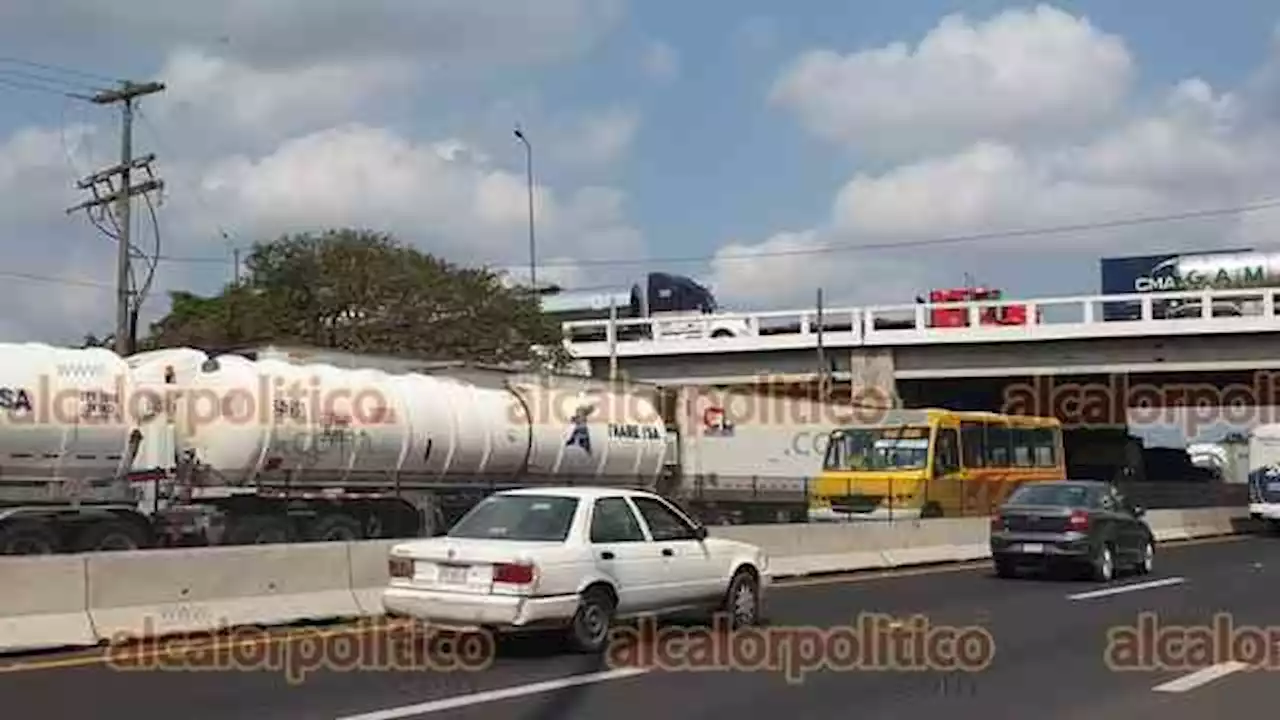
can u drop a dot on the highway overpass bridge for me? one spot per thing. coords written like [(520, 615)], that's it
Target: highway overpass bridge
[(1218, 338)]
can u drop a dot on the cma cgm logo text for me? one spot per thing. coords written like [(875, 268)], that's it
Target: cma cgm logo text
[(1193, 280)]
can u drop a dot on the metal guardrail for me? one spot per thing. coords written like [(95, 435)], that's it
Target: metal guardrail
[(1053, 318)]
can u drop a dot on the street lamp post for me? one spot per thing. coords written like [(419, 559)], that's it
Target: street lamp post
[(533, 253)]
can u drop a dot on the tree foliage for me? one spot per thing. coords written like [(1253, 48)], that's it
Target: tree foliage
[(364, 292)]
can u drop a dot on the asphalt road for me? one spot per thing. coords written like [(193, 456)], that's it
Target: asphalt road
[(1037, 648)]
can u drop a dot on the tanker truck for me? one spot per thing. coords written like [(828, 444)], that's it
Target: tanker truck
[(179, 447)]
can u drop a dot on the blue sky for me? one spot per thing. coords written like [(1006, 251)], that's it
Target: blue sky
[(661, 130)]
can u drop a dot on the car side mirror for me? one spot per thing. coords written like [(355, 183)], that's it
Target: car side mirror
[(700, 533)]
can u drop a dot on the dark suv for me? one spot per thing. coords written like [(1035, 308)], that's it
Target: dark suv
[(1085, 523)]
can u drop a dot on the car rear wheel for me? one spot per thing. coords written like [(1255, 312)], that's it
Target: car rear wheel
[(589, 630), (1147, 562), (1104, 563)]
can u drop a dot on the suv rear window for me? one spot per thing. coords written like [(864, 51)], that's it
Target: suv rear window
[(529, 518)]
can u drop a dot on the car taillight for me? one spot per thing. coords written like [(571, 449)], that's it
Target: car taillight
[(1078, 520), (400, 567), (997, 523), (513, 574)]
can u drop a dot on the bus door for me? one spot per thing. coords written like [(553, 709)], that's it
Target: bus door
[(985, 449), (946, 472)]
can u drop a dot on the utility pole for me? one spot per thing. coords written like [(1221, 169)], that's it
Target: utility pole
[(122, 197)]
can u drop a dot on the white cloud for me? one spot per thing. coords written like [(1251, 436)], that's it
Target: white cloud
[(598, 138), (210, 96), (1020, 74), (57, 270), (661, 61), (443, 196), (1198, 149), (284, 117)]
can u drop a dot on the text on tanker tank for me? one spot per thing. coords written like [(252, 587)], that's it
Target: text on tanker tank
[(632, 431)]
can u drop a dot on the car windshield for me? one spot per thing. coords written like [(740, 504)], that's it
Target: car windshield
[(529, 518), (897, 447), (1051, 494)]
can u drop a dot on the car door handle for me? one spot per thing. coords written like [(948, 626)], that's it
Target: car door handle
[(606, 555), (668, 552)]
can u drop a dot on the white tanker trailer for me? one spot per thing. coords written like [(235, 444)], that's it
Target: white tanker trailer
[(178, 447)]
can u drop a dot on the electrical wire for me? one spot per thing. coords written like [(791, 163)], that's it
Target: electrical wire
[(1261, 205)]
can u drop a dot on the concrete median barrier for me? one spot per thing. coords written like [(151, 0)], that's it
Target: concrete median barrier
[(1174, 525), (369, 573), (849, 547), (42, 604), (81, 600), (161, 592)]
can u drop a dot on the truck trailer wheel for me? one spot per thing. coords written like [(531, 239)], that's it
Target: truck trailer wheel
[(27, 537), (335, 528), (258, 530), (110, 535)]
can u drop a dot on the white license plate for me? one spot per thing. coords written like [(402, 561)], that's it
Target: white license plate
[(1032, 548), (453, 574), (1273, 487)]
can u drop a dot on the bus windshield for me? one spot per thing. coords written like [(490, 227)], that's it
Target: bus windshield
[(896, 447)]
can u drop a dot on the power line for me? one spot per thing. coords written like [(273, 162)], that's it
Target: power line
[(1266, 204), (33, 87), (33, 277), (58, 68)]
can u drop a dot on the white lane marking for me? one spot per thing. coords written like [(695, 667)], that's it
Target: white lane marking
[(1150, 585), (1200, 677), (489, 696)]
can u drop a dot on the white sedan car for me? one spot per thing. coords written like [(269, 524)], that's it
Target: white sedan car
[(575, 559)]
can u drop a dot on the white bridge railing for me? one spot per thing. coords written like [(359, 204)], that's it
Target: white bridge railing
[(1078, 317)]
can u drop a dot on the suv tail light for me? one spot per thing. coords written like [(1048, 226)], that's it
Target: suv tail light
[(1079, 520), (400, 567), (997, 523), (513, 574)]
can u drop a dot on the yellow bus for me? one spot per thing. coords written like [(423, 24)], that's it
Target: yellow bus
[(929, 462)]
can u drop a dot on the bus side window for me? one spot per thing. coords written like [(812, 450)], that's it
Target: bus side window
[(1023, 447), (1045, 448), (997, 446), (973, 444), (947, 456)]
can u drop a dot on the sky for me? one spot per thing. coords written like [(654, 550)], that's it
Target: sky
[(769, 150)]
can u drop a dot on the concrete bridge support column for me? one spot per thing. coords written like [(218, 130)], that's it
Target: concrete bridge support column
[(872, 376)]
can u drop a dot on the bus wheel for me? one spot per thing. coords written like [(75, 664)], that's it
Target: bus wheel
[(930, 510)]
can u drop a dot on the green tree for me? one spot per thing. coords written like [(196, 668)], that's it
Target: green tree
[(362, 291)]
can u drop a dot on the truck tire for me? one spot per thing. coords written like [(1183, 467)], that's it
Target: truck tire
[(335, 528), (110, 535), (28, 537), (258, 530)]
